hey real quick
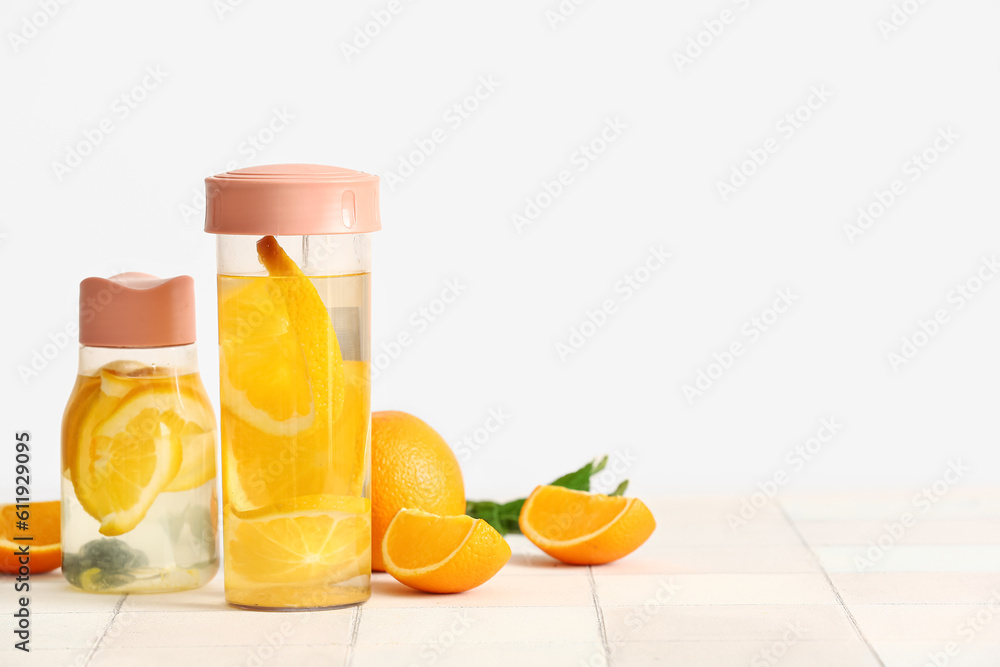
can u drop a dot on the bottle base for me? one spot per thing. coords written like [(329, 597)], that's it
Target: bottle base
[(142, 580), (249, 607), (291, 598)]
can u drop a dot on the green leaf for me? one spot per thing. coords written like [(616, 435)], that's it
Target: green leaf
[(579, 480), (486, 510), (509, 514)]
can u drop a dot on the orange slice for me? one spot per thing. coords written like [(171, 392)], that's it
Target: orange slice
[(263, 371), (311, 322), (260, 469), (284, 387), (313, 540), (81, 402), (584, 528), (132, 455), (120, 377), (197, 450), (43, 527), (197, 434), (442, 554), (96, 397)]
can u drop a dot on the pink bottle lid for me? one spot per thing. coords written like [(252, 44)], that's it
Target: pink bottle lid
[(137, 310), (292, 200)]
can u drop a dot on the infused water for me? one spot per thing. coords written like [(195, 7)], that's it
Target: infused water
[(294, 382), (139, 510)]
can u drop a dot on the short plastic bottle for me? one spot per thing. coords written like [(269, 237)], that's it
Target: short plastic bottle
[(139, 504)]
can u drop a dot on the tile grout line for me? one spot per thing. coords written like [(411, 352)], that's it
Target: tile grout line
[(100, 638), (600, 615), (829, 581), (355, 627)]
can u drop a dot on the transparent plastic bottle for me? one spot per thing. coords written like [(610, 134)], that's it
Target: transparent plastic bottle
[(139, 505), (294, 264)]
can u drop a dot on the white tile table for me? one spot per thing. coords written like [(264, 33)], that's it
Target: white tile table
[(809, 580)]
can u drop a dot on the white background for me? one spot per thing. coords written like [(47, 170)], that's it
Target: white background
[(131, 204)]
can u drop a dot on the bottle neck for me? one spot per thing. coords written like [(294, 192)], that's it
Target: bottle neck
[(317, 255), (166, 361)]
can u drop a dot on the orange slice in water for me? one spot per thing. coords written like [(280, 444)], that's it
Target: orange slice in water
[(132, 455), (313, 540)]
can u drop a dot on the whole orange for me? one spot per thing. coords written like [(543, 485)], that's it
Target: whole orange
[(412, 468)]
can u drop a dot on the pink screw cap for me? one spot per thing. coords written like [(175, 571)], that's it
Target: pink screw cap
[(137, 310), (292, 200)]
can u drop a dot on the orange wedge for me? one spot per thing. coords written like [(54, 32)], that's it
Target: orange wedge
[(584, 528), (44, 553), (442, 554)]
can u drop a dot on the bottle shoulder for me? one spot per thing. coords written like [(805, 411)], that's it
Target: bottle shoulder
[(152, 362)]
